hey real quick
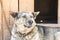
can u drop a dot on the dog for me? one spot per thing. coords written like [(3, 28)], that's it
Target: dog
[(24, 27)]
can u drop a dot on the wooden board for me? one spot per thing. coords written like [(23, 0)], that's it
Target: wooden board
[(26, 5)]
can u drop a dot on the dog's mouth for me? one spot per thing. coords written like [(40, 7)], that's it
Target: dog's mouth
[(28, 26)]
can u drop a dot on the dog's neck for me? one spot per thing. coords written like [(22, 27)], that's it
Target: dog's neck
[(34, 30), (29, 35)]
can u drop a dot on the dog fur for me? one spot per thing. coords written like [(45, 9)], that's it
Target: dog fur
[(35, 32), (23, 28)]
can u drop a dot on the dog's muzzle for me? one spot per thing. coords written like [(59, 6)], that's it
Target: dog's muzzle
[(29, 23)]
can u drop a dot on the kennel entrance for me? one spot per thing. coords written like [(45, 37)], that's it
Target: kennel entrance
[(48, 11)]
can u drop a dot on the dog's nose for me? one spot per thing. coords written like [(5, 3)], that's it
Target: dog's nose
[(30, 21)]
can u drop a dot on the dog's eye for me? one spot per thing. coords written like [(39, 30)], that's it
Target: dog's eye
[(24, 16)]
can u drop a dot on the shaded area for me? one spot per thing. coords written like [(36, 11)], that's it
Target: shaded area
[(48, 11)]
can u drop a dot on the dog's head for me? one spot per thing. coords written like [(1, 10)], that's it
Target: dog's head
[(25, 20)]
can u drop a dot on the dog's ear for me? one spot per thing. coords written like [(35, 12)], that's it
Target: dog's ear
[(14, 14), (35, 14)]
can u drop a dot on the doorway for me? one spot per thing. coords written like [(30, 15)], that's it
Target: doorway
[(48, 11)]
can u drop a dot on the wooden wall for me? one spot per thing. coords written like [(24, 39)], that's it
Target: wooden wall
[(5, 19), (26, 5), (0, 23), (58, 11)]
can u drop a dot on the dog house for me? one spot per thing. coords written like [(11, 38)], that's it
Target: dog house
[(49, 13)]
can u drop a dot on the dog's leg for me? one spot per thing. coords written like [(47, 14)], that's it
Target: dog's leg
[(14, 34)]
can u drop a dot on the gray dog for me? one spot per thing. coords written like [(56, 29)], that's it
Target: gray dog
[(25, 28)]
